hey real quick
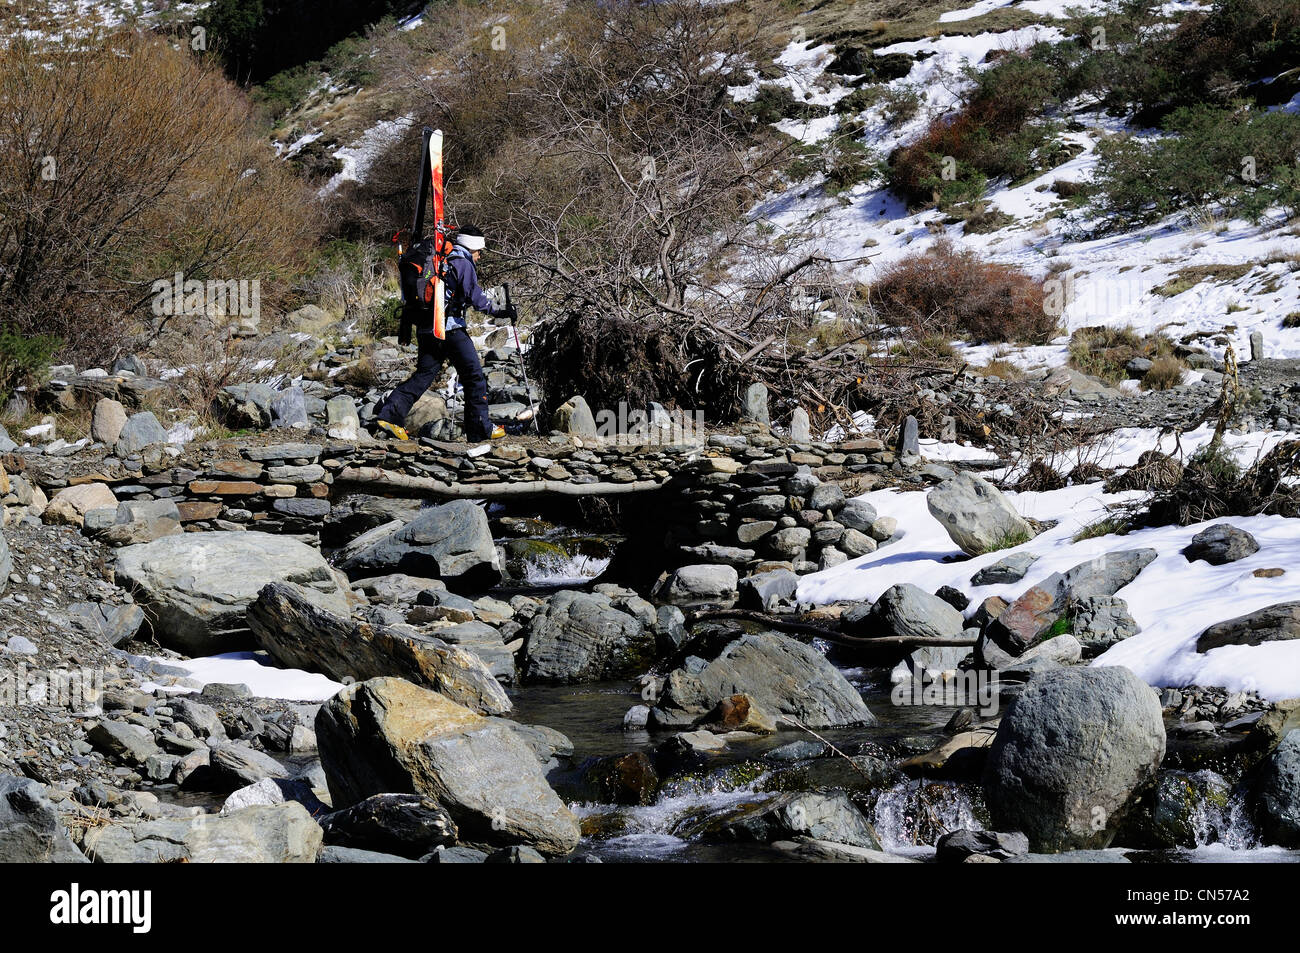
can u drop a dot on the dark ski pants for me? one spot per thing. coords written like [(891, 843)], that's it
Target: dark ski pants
[(459, 349)]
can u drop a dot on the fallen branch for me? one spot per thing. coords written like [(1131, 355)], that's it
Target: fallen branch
[(818, 632), (378, 478)]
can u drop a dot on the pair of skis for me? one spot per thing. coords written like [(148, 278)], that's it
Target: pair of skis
[(431, 181)]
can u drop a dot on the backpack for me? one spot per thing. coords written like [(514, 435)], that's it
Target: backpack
[(420, 268)]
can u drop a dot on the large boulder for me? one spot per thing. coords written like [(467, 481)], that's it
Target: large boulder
[(298, 633), (909, 611), (196, 587), (976, 515), (1277, 795), (107, 421), (780, 675), (277, 834), (71, 504), (30, 829), (581, 637), (389, 736), (701, 584), (452, 542), (140, 430), (1277, 623), (1070, 755)]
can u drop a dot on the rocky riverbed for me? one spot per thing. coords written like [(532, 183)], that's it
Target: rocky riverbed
[(289, 645)]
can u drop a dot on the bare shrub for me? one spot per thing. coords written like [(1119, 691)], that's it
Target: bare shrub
[(122, 161), (946, 290)]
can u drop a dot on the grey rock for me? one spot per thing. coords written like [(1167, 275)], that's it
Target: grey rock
[(285, 451), (128, 743), (956, 846), (342, 418), (1221, 543), (800, 429), (140, 431), (826, 496), (975, 514), (883, 528), (456, 855), (109, 623), (1276, 623), (1009, 569), (1098, 622), (452, 542), (909, 611), (196, 587), (389, 736), (701, 584), (1070, 755), (289, 409), (789, 543), (582, 637), (1257, 345), (6, 562), (910, 442), (300, 634), (515, 855), (280, 833), (235, 765), (351, 855), (574, 416), (107, 421), (781, 676), (1277, 798), (753, 404), (765, 590), (30, 829), (831, 817), (855, 543), (408, 825)]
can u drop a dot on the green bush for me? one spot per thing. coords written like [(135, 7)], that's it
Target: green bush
[(1000, 132), (1200, 163), (849, 163), (24, 361)]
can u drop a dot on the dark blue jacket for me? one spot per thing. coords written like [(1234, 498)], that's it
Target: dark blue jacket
[(463, 289)]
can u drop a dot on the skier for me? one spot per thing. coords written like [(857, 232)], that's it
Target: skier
[(462, 291)]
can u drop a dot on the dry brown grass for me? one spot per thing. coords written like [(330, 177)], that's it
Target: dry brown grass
[(1165, 373)]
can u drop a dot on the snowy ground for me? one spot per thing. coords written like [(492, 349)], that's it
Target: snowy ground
[(1172, 600), (259, 673)]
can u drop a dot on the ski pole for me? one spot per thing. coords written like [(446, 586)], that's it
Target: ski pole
[(528, 389)]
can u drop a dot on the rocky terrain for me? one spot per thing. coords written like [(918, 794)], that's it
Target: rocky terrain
[(402, 645)]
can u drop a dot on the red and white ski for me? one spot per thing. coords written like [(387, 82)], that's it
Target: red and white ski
[(440, 233)]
